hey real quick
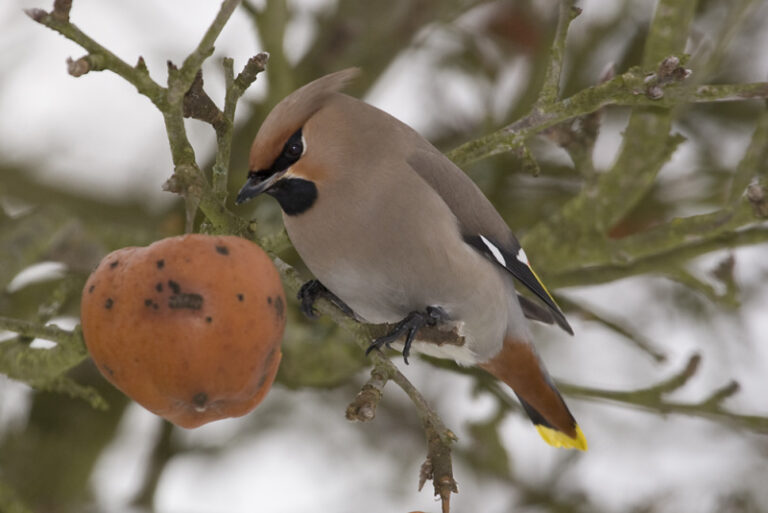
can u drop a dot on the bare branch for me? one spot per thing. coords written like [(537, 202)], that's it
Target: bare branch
[(628, 89), (439, 437), (236, 87), (636, 338), (137, 76), (652, 398), (183, 81), (438, 445), (363, 408), (44, 368), (752, 165), (550, 89)]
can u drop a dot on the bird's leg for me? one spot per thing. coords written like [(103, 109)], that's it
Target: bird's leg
[(311, 291), (409, 326)]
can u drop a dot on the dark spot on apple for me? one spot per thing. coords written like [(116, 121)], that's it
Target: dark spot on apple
[(278, 305), (269, 358), (200, 399), (191, 301)]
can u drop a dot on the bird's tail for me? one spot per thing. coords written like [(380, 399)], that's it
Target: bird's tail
[(518, 365)]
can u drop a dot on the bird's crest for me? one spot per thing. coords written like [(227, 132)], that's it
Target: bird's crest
[(292, 112)]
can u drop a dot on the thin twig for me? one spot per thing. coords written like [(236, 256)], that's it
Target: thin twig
[(183, 80), (752, 164), (550, 89), (627, 90), (235, 88), (137, 76), (34, 330), (22, 362), (439, 440), (363, 407), (635, 338), (653, 399)]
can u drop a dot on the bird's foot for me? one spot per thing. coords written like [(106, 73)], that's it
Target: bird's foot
[(409, 326), (311, 291)]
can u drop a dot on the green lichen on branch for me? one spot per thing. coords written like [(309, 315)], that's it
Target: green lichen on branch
[(45, 369), (653, 398), (19, 361)]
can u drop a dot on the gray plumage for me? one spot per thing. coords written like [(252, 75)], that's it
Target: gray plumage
[(391, 226)]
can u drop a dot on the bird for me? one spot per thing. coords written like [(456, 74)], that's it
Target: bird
[(395, 233)]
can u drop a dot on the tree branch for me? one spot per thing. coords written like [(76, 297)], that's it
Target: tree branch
[(45, 369), (753, 164), (179, 83), (550, 89), (363, 407), (636, 338), (137, 76), (235, 89), (19, 361), (188, 179), (626, 90), (652, 399), (438, 465)]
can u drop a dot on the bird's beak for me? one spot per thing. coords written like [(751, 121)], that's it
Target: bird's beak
[(258, 182)]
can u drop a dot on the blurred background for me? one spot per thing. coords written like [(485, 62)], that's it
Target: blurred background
[(82, 162)]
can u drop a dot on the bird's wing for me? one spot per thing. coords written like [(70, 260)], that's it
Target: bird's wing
[(482, 226), (514, 260)]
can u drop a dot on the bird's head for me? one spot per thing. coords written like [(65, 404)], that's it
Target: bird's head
[(281, 162)]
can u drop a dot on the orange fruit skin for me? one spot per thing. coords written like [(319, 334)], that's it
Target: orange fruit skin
[(189, 327)]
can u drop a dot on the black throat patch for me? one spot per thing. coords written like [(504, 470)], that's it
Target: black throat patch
[(295, 195)]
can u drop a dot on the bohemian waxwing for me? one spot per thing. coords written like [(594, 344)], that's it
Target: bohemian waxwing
[(394, 231)]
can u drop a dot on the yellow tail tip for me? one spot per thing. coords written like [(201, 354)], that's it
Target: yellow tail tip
[(559, 439)]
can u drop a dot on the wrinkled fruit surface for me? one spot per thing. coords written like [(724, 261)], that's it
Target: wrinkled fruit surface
[(189, 327)]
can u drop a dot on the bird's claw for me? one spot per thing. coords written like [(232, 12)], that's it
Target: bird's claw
[(311, 291), (409, 326)]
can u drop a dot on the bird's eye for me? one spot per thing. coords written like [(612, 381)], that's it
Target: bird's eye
[(294, 149)]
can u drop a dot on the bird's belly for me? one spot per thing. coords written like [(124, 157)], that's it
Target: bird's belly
[(385, 270), (475, 300)]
